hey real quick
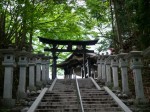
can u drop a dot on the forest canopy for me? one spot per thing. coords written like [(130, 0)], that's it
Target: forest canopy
[(117, 24)]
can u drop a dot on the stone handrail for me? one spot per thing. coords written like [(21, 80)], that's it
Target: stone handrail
[(39, 98), (123, 61), (96, 85), (37, 101), (79, 95), (51, 88), (117, 100)]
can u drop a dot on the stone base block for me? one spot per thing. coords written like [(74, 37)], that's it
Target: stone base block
[(108, 84), (21, 95), (39, 85), (141, 101), (8, 102), (127, 93), (31, 88), (44, 83), (115, 88)]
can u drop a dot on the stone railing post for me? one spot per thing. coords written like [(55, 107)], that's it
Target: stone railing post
[(38, 72), (43, 70), (108, 72), (47, 69), (123, 64), (136, 65), (9, 64), (23, 63), (99, 67), (32, 73), (104, 68), (114, 65), (88, 64)]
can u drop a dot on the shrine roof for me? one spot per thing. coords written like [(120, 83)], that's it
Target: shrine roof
[(66, 42), (76, 59)]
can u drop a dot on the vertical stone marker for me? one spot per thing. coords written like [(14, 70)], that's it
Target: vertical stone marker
[(123, 64), (108, 72), (114, 65), (23, 63), (43, 63), (104, 76), (47, 68), (38, 72), (8, 63), (32, 73), (99, 68), (136, 65)]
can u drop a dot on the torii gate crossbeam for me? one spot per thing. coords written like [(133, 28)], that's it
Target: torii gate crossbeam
[(69, 43)]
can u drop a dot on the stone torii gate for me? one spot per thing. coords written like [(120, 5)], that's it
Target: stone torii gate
[(69, 43)]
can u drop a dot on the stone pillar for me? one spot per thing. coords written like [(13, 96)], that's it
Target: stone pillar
[(103, 70), (23, 63), (99, 67), (32, 74), (38, 72), (136, 65), (88, 67), (43, 71), (123, 64), (104, 67), (47, 70), (114, 65), (108, 72), (9, 63)]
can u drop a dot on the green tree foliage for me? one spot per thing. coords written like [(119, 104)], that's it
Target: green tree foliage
[(131, 21), (22, 21)]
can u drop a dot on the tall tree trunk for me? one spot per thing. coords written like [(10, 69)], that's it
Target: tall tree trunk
[(112, 22), (118, 28), (2, 27), (31, 30)]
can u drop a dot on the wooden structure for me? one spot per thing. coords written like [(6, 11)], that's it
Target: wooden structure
[(74, 63), (69, 43)]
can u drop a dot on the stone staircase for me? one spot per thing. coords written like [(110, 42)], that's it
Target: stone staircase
[(96, 100), (63, 98)]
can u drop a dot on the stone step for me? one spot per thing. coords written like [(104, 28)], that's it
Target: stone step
[(103, 96), (109, 109), (61, 92), (93, 91), (61, 95), (97, 99), (58, 103), (99, 105), (65, 96), (58, 106), (99, 92), (57, 110), (88, 91), (61, 98), (58, 100)]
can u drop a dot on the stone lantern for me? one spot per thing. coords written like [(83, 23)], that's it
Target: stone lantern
[(114, 66), (136, 66), (38, 70), (47, 68), (23, 63), (32, 64), (108, 72), (9, 64), (104, 77), (99, 67), (123, 64), (43, 63)]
